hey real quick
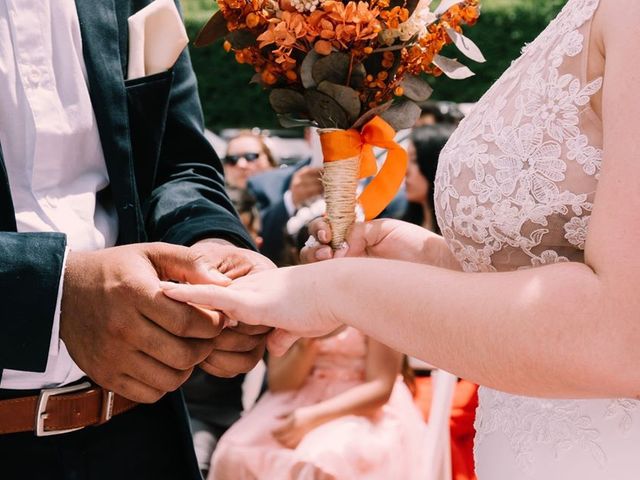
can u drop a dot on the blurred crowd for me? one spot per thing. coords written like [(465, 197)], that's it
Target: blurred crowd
[(341, 407)]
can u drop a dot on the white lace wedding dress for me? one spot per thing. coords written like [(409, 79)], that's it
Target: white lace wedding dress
[(514, 189)]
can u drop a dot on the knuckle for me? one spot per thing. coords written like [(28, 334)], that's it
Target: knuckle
[(194, 353), (173, 380), (184, 360), (180, 323)]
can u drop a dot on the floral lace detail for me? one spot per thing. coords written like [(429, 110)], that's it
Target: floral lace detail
[(509, 168), (623, 410), (560, 424)]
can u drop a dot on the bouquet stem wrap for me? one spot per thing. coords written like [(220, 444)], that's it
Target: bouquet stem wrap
[(348, 157)]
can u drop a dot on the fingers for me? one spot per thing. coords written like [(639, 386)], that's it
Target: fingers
[(156, 375), (182, 320), (321, 229), (230, 340), (183, 264), (280, 341), (251, 329), (209, 296), (134, 390), (177, 352), (230, 364)]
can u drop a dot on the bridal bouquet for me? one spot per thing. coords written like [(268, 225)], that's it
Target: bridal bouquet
[(352, 68)]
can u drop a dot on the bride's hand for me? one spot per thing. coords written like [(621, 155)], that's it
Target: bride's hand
[(380, 238), (276, 298)]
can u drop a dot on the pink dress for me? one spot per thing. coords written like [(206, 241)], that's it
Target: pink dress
[(352, 447)]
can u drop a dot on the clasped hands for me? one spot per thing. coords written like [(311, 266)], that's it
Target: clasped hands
[(129, 337)]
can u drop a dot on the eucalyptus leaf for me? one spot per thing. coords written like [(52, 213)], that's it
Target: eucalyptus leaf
[(256, 79), (306, 75), (346, 97), (466, 46), (369, 114), (333, 68), (446, 5), (452, 68), (401, 115), (289, 121), (213, 30), (241, 39), (285, 100), (416, 88), (325, 110)]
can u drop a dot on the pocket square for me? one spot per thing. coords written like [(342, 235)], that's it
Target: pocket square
[(156, 38)]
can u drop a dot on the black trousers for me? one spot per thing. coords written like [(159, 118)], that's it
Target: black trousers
[(148, 442)]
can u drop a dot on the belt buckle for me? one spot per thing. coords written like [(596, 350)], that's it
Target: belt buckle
[(43, 399)]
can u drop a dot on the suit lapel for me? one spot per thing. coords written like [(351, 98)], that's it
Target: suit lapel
[(102, 48)]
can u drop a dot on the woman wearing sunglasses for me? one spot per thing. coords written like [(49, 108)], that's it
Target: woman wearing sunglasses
[(247, 155)]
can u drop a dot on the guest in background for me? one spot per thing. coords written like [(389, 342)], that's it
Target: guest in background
[(247, 155), (438, 113), (280, 194), (424, 150), (337, 408)]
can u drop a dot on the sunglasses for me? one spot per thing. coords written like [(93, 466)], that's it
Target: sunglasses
[(234, 159)]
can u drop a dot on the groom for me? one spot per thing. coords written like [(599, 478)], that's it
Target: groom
[(88, 161)]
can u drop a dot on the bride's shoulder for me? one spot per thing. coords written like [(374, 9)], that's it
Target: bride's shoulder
[(616, 25), (613, 15)]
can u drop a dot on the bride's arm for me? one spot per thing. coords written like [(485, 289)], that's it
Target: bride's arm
[(563, 330)]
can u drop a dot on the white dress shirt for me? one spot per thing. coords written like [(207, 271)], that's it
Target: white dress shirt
[(51, 147)]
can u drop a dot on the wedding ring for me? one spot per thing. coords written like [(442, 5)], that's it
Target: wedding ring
[(311, 242)]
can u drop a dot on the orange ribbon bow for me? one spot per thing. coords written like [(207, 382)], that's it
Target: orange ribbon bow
[(342, 144)]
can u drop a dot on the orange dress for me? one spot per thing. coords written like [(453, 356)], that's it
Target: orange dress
[(463, 414)]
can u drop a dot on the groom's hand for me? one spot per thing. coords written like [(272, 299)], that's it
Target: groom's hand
[(122, 331), (237, 349), (234, 262)]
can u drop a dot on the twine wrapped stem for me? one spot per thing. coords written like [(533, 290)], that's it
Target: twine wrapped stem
[(340, 180)]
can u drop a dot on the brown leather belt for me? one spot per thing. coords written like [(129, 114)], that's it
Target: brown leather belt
[(61, 410)]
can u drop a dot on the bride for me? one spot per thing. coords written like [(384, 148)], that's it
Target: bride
[(532, 289)]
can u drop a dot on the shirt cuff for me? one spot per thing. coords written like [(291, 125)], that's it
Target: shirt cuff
[(287, 198), (54, 344)]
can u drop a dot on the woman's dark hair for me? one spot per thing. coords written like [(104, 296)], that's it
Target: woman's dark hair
[(428, 141)]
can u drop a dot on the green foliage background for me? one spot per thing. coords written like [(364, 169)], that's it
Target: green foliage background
[(230, 101)]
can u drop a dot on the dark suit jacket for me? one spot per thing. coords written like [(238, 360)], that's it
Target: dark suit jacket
[(269, 188), (166, 180)]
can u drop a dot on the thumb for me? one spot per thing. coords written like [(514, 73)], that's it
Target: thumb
[(279, 341), (174, 262)]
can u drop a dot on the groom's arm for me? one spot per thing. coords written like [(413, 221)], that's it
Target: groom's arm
[(189, 202)]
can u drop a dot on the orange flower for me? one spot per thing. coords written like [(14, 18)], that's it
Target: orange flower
[(394, 17), (323, 47), (352, 22), (285, 31)]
